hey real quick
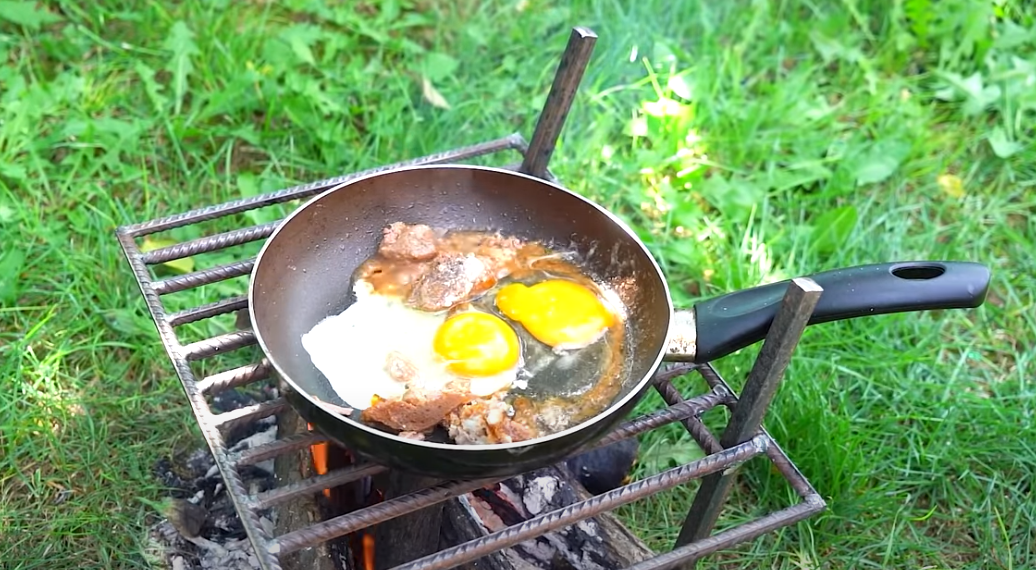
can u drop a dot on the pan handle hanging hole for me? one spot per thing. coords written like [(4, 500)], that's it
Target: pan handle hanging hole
[(918, 272)]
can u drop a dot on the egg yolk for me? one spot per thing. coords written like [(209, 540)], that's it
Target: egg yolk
[(558, 313), (477, 344)]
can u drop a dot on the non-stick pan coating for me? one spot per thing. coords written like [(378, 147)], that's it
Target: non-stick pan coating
[(304, 275)]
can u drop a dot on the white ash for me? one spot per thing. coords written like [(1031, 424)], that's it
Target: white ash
[(180, 553), (539, 493), (538, 496), (212, 472), (589, 527), (578, 559), (222, 544), (539, 550), (235, 555), (255, 440), (517, 562)]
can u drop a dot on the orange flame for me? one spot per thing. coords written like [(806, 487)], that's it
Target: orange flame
[(368, 551), (319, 453)]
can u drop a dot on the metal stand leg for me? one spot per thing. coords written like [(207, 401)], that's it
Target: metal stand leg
[(784, 334), (559, 101)]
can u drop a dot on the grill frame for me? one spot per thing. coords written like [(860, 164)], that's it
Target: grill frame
[(742, 439)]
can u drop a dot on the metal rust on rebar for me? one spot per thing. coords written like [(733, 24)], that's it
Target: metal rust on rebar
[(218, 345), (781, 461), (210, 243), (351, 522), (247, 414), (744, 532), (235, 377), (203, 277), (559, 101), (314, 484), (693, 424), (673, 370), (305, 190), (235, 486), (208, 311), (790, 472), (370, 516), (254, 455), (654, 420)]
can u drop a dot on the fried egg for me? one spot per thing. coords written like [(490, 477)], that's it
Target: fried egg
[(559, 313), (352, 349), (481, 347)]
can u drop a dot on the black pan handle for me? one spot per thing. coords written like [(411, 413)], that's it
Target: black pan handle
[(731, 322)]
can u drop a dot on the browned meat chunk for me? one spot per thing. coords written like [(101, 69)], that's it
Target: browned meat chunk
[(486, 422), (434, 269), (416, 242), (452, 279), (392, 276), (417, 410), (498, 254)]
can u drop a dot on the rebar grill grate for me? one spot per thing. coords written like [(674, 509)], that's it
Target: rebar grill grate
[(190, 359)]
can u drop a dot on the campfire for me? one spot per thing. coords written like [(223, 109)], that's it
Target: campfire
[(269, 491), (295, 478), (313, 504)]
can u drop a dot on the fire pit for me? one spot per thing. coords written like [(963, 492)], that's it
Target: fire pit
[(304, 502)]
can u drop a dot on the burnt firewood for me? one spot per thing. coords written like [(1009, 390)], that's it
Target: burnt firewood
[(302, 511), (406, 538), (599, 543)]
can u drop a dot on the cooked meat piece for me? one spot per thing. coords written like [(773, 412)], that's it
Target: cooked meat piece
[(402, 241), (510, 431), (499, 254), (392, 276), (399, 368), (452, 279), (417, 410), (435, 269), (415, 435), (486, 422)]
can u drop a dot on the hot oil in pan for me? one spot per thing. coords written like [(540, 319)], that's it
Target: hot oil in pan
[(378, 355)]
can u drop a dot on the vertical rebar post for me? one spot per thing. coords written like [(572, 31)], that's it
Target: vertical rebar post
[(788, 325), (559, 101)]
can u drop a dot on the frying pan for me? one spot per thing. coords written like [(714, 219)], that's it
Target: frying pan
[(303, 274)]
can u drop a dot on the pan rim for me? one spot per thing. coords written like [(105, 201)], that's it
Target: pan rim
[(515, 448)]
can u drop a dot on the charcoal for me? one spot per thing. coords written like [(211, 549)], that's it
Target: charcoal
[(202, 530), (232, 399)]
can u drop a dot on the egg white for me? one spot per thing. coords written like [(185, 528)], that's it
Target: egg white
[(350, 350)]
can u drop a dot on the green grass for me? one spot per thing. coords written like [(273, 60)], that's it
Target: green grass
[(825, 134)]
